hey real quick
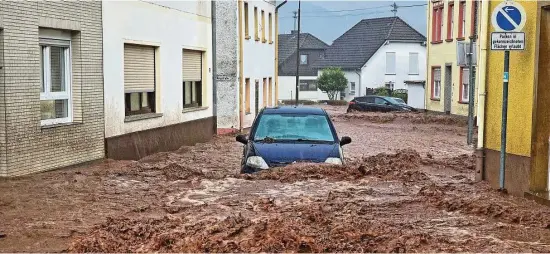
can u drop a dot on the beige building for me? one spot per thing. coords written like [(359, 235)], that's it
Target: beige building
[(51, 102)]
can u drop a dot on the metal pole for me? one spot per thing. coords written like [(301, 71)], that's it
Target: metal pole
[(298, 55), (504, 119), (472, 78)]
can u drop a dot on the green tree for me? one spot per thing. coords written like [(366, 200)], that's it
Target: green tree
[(332, 81)]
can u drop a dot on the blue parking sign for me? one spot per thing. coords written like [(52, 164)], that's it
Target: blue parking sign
[(508, 16)]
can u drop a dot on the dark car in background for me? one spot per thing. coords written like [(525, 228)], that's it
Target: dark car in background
[(377, 103), (283, 135)]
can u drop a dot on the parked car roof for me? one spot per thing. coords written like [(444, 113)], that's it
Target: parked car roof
[(294, 110)]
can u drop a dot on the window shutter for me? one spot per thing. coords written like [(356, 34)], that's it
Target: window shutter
[(192, 65), (413, 63), (390, 62), (139, 68)]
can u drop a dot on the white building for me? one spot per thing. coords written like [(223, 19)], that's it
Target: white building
[(380, 52), (311, 50), (244, 39), (157, 76)]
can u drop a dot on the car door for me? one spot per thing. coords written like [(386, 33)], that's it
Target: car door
[(380, 104), (361, 103), (369, 104)]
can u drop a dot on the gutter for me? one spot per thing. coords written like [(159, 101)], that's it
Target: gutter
[(482, 91), (214, 68), (358, 72), (276, 102), (241, 74)]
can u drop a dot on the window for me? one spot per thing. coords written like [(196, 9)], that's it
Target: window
[(461, 20), (294, 126), (192, 78), (247, 95), (436, 82), (139, 79), (303, 59), (263, 27), (246, 33), (437, 22), (465, 84), (390, 62), (352, 88), (270, 28), (413, 63), (308, 85), (264, 95), (270, 94), (55, 83), (256, 33), (379, 101), (472, 15), (450, 21)]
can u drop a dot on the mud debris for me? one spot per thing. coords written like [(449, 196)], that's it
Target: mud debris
[(464, 163), (412, 117)]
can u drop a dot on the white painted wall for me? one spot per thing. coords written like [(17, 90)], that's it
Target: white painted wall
[(415, 96), (287, 89), (258, 57), (373, 73), (171, 29)]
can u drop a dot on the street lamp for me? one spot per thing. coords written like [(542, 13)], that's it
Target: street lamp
[(298, 55)]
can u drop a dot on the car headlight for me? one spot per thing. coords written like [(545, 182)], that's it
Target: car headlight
[(256, 162), (333, 160)]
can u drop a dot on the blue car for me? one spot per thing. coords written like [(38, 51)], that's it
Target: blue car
[(283, 135)]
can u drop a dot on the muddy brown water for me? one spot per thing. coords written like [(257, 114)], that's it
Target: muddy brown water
[(407, 187)]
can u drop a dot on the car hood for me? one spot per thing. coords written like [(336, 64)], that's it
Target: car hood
[(284, 153)]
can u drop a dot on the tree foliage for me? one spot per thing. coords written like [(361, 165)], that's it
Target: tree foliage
[(332, 81)]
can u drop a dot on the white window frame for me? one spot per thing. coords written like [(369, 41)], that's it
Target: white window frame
[(465, 86), (463, 18), (437, 84), (45, 46), (352, 88), (417, 71), (394, 66), (306, 59)]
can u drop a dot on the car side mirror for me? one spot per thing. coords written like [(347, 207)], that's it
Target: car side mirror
[(387, 103), (345, 140), (242, 139)]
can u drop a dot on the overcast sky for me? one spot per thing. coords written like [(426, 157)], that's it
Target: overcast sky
[(329, 19)]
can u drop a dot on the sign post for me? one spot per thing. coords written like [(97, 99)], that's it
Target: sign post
[(508, 19)]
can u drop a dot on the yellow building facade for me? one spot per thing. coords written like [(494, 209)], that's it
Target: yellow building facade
[(450, 24), (528, 121)]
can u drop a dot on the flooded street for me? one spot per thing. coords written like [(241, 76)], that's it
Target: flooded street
[(408, 186)]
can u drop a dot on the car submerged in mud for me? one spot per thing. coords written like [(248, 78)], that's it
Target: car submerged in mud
[(375, 103), (284, 135)]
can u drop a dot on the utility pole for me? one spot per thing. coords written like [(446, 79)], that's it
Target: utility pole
[(298, 55), (295, 17), (394, 5)]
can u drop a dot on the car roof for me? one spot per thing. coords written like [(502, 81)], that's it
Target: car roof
[(294, 110)]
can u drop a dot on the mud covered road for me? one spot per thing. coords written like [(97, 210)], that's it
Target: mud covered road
[(408, 187)]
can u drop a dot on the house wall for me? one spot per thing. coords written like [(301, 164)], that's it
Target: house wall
[(258, 57), (528, 117), (443, 53), (185, 26), (373, 73), (26, 144), (287, 89), (227, 65)]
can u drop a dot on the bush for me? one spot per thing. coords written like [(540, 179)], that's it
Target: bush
[(403, 96), (381, 91), (300, 102)]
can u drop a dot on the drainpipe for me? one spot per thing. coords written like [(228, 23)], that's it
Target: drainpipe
[(277, 52), (358, 72), (214, 69), (240, 55), (484, 31)]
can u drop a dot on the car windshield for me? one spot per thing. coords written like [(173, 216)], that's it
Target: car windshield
[(294, 127), (396, 100)]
